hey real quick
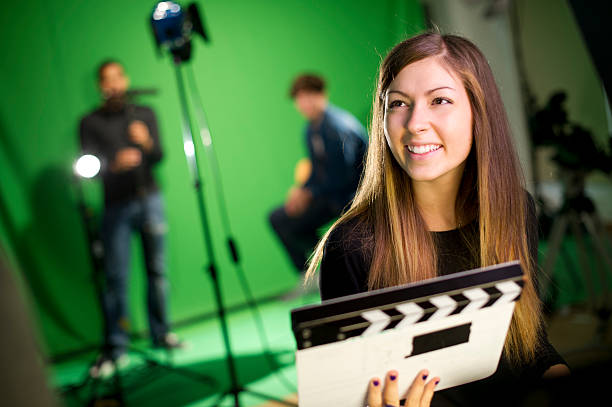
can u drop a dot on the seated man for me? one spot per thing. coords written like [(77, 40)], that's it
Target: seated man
[(337, 143)]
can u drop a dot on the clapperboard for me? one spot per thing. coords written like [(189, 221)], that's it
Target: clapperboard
[(454, 325)]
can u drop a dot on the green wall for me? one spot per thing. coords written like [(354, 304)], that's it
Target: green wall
[(50, 53)]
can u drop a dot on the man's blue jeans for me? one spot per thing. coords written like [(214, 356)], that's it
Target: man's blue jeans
[(144, 215)]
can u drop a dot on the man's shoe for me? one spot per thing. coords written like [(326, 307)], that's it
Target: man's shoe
[(105, 366), (170, 342)]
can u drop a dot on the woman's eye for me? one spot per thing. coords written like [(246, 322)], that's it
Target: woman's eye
[(396, 103), (440, 101)]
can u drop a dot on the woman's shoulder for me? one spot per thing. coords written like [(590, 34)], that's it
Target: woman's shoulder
[(346, 258), (352, 233)]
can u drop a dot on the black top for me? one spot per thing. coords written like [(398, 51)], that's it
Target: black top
[(103, 133), (344, 271)]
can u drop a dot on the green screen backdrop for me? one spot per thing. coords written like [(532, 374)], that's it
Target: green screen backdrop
[(50, 53)]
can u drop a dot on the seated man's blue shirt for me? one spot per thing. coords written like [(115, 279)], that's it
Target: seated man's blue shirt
[(337, 145)]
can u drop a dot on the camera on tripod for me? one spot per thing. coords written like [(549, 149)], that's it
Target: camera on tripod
[(577, 155), (575, 146), (575, 151)]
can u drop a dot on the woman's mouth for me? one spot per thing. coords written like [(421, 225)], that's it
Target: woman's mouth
[(423, 149)]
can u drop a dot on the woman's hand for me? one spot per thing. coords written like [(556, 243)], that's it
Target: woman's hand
[(419, 394), (556, 371)]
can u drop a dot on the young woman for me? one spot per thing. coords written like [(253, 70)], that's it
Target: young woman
[(441, 192)]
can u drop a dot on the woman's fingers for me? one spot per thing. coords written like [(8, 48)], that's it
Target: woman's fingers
[(419, 394), (428, 392), (415, 392), (421, 391), (375, 393), (390, 392)]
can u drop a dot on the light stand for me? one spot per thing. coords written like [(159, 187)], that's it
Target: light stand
[(212, 269), (90, 166), (189, 140), (231, 245), (89, 169), (172, 27)]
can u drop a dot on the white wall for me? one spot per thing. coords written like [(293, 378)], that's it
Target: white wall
[(554, 57), (494, 37)]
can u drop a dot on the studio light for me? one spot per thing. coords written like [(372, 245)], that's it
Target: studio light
[(87, 166), (173, 27)]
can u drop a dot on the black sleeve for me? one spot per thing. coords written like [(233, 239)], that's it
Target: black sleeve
[(345, 264), (546, 355), (155, 154)]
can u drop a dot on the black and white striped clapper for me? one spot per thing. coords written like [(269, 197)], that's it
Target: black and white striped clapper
[(454, 325)]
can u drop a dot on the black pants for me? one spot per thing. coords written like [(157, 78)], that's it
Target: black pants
[(300, 234)]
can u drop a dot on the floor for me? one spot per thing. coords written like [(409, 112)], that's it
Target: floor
[(196, 376), (581, 337)]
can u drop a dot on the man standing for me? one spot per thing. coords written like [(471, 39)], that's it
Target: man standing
[(337, 143), (125, 138)]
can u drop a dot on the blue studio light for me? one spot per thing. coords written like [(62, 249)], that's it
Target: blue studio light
[(173, 27), (168, 22)]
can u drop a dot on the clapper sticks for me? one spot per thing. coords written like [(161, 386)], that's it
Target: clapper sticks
[(454, 325)]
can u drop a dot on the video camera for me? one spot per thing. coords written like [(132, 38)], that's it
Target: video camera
[(575, 147)]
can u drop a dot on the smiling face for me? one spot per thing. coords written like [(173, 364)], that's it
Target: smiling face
[(428, 122)]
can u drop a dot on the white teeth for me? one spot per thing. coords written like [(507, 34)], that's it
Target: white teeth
[(423, 149)]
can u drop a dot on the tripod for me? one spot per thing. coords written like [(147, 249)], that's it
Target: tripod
[(96, 256), (189, 142), (96, 252), (579, 214)]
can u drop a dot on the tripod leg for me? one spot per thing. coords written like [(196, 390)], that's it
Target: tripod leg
[(602, 232), (571, 267), (554, 245), (591, 222), (584, 262)]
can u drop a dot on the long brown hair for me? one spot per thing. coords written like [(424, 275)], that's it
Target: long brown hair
[(491, 190)]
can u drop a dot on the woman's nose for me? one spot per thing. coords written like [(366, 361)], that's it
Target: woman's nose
[(417, 120)]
